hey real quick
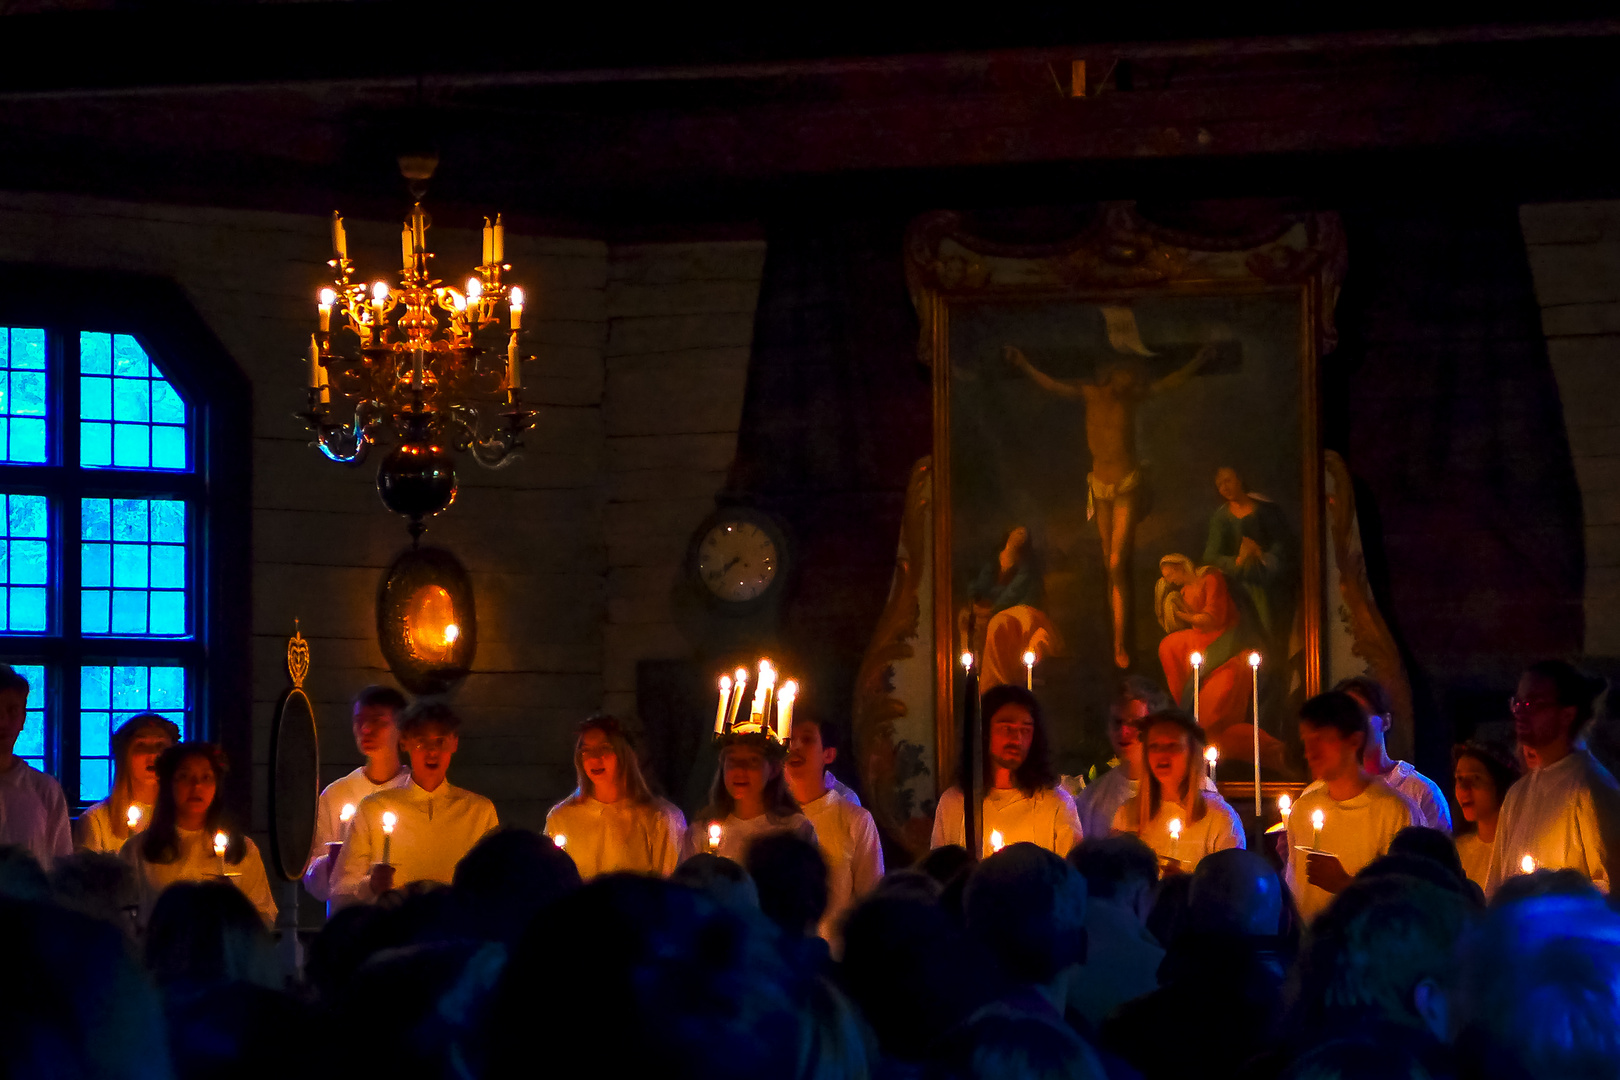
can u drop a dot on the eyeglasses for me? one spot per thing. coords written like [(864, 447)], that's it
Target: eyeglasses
[(1520, 705)]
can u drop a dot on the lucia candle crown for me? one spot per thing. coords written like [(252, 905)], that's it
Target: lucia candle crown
[(770, 712)]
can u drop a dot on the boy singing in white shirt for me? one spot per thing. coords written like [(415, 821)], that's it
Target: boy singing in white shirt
[(847, 834), (33, 811)]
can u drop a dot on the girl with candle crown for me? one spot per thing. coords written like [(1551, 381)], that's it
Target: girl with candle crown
[(136, 747), (1360, 813), (749, 798), (179, 843), (1174, 790), (613, 821)]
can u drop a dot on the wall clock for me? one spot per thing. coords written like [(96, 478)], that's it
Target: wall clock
[(739, 558)]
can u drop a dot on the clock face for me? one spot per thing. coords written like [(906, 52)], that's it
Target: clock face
[(737, 561)]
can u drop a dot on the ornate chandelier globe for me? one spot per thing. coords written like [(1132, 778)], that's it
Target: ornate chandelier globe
[(419, 365)]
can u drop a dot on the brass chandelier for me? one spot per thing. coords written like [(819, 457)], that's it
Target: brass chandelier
[(418, 365)]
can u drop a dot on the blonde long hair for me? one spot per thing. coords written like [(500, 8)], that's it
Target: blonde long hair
[(1149, 796), (123, 741), (630, 778)]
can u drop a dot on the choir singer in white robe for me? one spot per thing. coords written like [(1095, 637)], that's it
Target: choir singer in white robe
[(1360, 813), (136, 746), (749, 799), (1022, 801), (1100, 800), (374, 719), (613, 821), (847, 834), (1565, 812), (33, 811), (435, 822), (187, 821), (1173, 813)]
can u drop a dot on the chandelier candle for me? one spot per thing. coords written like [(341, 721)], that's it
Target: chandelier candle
[(1197, 659), (1254, 666)]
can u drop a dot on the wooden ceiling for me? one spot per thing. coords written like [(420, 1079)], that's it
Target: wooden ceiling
[(612, 120)]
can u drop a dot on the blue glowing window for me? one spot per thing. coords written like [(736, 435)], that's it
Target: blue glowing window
[(22, 396), (133, 562), (111, 694), (31, 743), (25, 564), (129, 415)]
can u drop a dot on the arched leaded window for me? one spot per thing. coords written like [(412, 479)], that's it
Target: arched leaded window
[(114, 535)]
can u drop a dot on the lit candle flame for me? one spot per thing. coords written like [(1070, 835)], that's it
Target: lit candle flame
[(1284, 804), (967, 661), (1527, 864), (1175, 828), (1029, 659), (1212, 755), (1317, 818), (451, 634), (134, 816), (389, 820), (996, 840), (1254, 659), (328, 298), (475, 288), (379, 292), (1197, 659), (517, 298), (714, 835), (346, 815), (220, 843), (560, 840)]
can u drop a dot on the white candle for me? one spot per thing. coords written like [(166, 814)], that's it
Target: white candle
[(516, 301), (1254, 666), (1212, 758), (314, 364), (762, 692), (489, 242), (346, 815), (514, 364), (1175, 840), (1284, 804), (389, 820), (714, 837), (133, 818), (500, 241), (1029, 671), (1197, 659), (340, 239), (996, 840), (379, 297), (1527, 864), (739, 686), (561, 841), (475, 290), (407, 248), (720, 710), (324, 309), (784, 710), (1317, 818), (221, 841)]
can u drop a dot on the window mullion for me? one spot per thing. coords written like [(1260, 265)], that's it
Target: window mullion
[(70, 565)]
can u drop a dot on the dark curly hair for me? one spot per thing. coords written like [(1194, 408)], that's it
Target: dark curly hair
[(1037, 773)]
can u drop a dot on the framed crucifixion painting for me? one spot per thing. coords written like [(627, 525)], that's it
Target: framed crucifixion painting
[(1127, 473)]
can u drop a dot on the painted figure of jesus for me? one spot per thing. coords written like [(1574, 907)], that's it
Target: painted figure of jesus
[(1111, 397)]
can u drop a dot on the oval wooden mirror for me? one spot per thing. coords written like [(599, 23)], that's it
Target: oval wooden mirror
[(295, 769)]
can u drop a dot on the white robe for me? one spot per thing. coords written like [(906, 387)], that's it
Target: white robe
[(1046, 818), (1357, 830), (197, 862), (642, 838), (1565, 815), (1476, 857), (96, 828), (1219, 829), (849, 842), (845, 792), (34, 813), (330, 828), (737, 835), (435, 829), (1434, 812), (1098, 802)]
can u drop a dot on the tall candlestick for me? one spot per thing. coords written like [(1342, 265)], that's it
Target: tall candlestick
[(1029, 671), (784, 711), (389, 820), (972, 767), (340, 239), (221, 841), (1254, 666), (1197, 660), (1317, 818), (720, 710), (1212, 758), (407, 248)]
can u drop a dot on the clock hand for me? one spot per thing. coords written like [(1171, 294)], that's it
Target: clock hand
[(735, 559)]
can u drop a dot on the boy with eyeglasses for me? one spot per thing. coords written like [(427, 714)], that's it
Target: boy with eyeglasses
[(1565, 812), (435, 823)]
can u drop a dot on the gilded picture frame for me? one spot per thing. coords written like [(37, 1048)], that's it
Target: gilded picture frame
[(1048, 362)]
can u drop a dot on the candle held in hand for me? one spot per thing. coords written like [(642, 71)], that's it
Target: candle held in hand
[(561, 841), (221, 842), (997, 841), (346, 815), (1317, 818), (133, 817), (1212, 758), (1254, 668), (389, 820), (1175, 839), (1284, 804), (1527, 864), (714, 837)]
